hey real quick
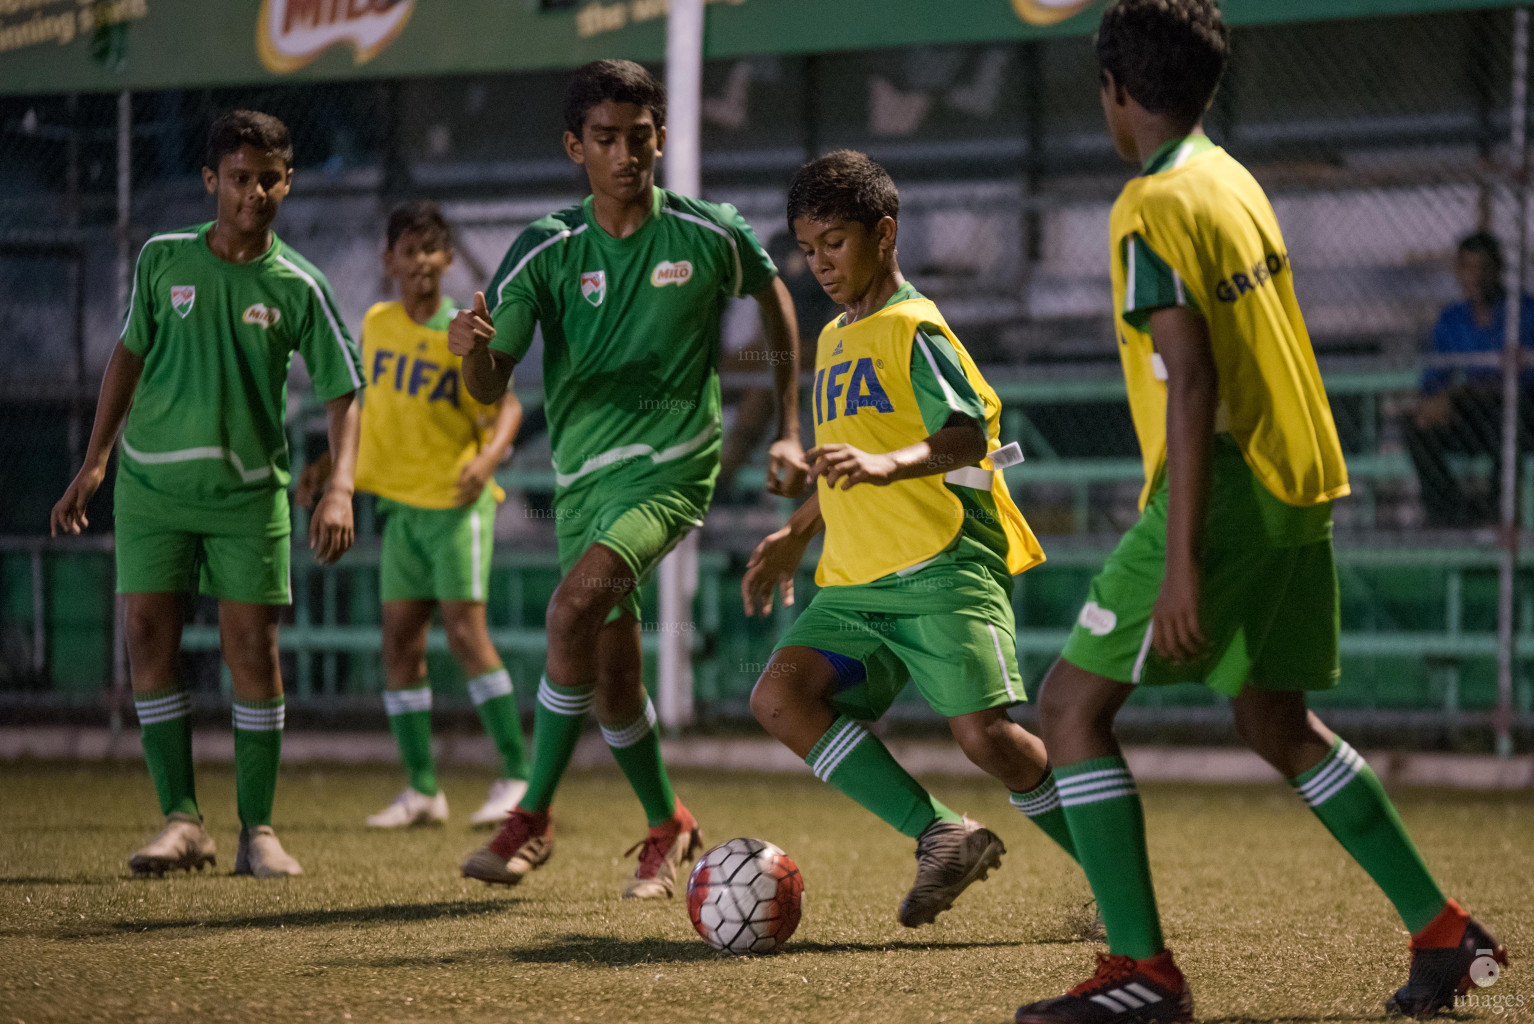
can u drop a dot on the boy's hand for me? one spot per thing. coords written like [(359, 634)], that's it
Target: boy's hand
[(312, 481), (787, 471), (472, 480), (772, 564), (69, 514), (330, 528), (471, 328), (848, 465), (1175, 630)]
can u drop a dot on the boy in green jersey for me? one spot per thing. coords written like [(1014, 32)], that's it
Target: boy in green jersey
[(922, 541), (628, 288), (200, 377), (1227, 578)]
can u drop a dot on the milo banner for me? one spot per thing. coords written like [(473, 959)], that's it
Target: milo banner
[(51, 46)]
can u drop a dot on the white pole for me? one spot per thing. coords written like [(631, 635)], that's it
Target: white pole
[(679, 571), (1507, 631), (124, 197)]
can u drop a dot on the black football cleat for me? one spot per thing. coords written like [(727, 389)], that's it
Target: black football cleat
[(1123, 990), (1440, 973)]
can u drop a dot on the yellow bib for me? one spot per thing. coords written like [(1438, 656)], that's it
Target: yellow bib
[(863, 397), (420, 425), (1210, 221)]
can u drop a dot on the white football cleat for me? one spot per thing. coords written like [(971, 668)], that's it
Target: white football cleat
[(181, 845), (261, 855), (503, 799), (411, 808)]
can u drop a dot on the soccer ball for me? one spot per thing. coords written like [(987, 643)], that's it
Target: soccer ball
[(743, 896)]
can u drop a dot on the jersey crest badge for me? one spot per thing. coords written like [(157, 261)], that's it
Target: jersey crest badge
[(666, 272), (594, 286), (181, 298), (262, 316)]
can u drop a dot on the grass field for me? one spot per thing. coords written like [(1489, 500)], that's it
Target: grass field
[(1268, 919)]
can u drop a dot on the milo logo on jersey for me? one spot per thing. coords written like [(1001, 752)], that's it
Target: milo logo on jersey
[(666, 272), (415, 376), (262, 315), (1260, 273), (861, 390)]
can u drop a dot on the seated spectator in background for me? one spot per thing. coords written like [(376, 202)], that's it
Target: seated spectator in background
[(1460, 411), (754, 407)]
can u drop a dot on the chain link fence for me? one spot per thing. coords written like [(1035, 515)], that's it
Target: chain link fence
[(1384, 144)]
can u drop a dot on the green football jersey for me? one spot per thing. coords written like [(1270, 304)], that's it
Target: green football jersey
[(630, 333), (204, 447)]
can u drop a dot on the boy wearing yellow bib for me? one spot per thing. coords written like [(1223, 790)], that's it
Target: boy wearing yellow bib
[(922, 541), (429, 452), (1227, 578)]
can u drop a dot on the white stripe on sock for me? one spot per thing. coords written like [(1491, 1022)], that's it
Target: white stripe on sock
[(635, 731), (1354, 765), (1066, 792), (155, 703), (404, 702), (259, 719), (1344, 760), (1097, 798), (490, 686), (163, 710), (831, 749), (564, 704), (1066, 781), (858, 736)]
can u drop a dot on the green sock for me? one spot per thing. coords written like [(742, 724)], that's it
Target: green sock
[(410, 722), (557, 723), (165, 730), (1042, 806), (636, 748), (497, 709), (1107, 826), (855, 762), (257, 749), (1346, 795)]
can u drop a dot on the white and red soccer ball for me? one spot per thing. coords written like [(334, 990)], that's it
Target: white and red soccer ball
[(744, 896)]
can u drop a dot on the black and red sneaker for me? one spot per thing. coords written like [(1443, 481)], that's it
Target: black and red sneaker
[(1447, 957), (1123, 990)]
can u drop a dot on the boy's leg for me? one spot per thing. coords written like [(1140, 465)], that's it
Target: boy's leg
[(1015, 757), (792, 702), (164, 709), (490, 687), (628, 719), (1101, 804), (407, 703), (1343, 791)]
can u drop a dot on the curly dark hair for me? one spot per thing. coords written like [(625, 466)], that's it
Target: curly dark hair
[(425, 218), (1167, 54), (844, 185), (621, 81), (236, 128)]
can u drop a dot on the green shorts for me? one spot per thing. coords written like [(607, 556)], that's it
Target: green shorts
[(249, 567), (1269, 606), (641, 524), (437, 554), (963, 659)]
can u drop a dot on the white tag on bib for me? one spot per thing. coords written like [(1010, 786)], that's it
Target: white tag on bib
[(1007, 455)]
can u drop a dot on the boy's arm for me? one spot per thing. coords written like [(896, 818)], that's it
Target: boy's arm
[(962, 442), (117, 385), (330, 528), (786, 468), (1181, 336), (486, 371), (472, 480), (777, 558)]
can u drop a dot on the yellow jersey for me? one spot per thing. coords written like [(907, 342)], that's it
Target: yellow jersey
[(420, 425), (866, 394), (1205, 216)]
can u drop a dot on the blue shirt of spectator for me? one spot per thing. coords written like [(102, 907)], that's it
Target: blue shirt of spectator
[(1457, 332)]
